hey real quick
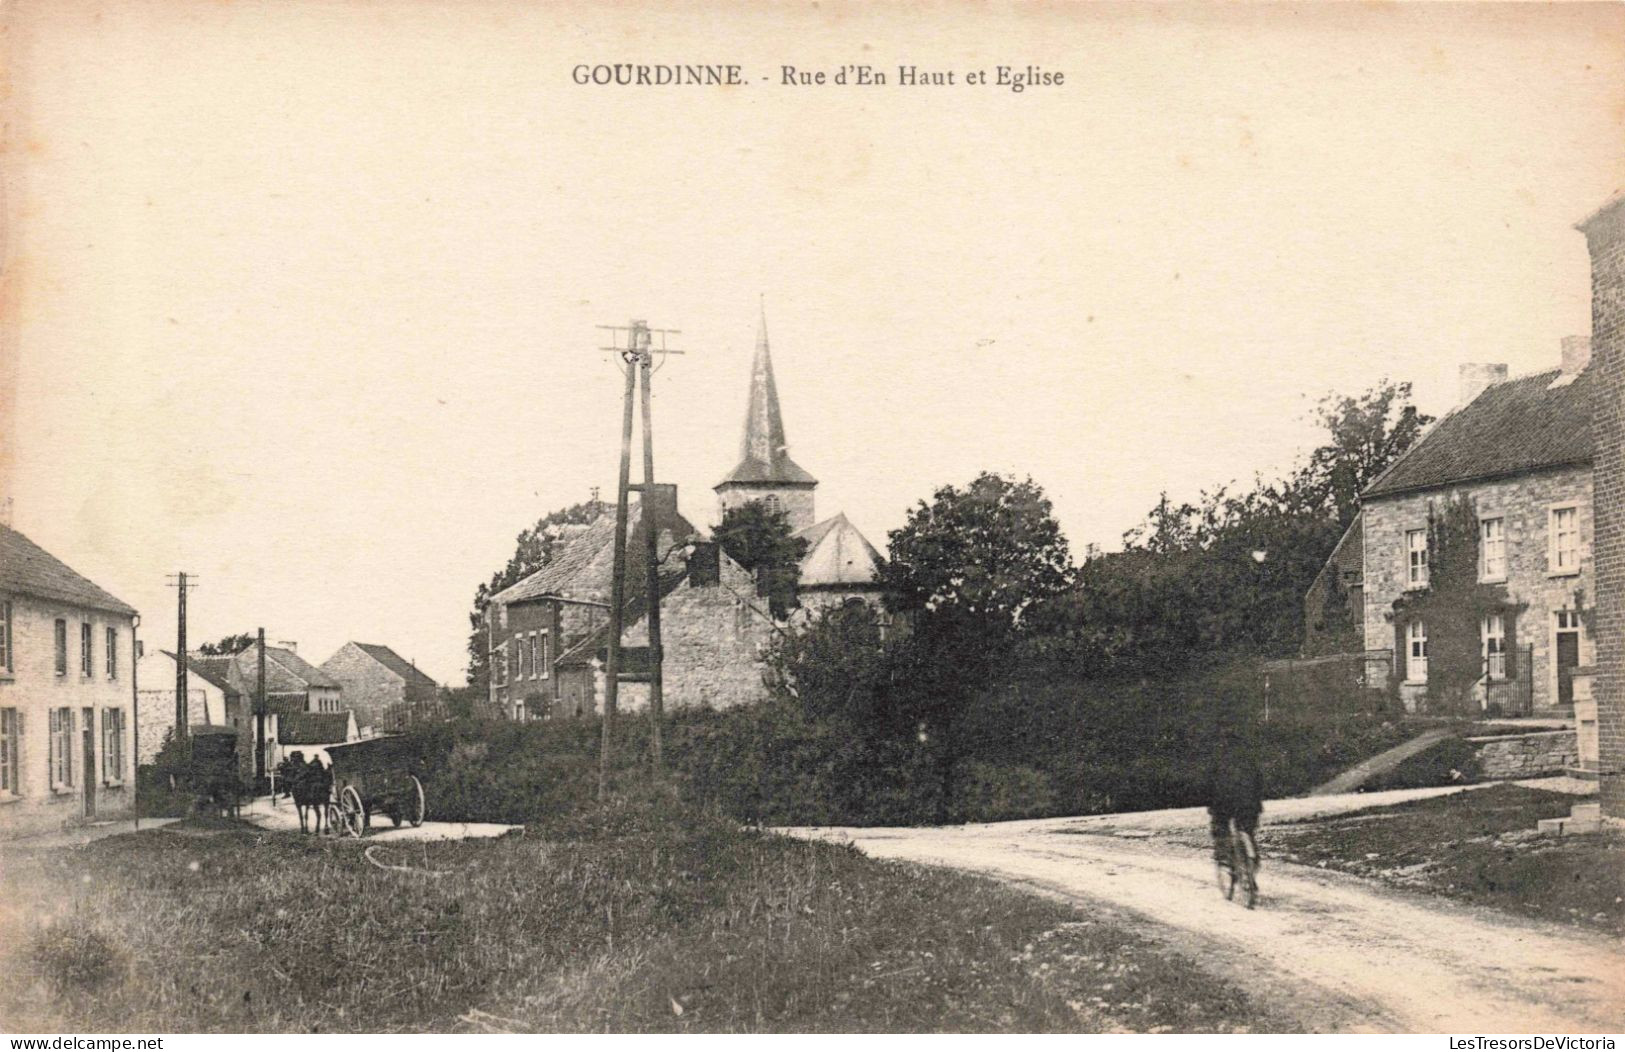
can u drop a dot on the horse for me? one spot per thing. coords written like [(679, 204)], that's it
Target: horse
[(312, 788)]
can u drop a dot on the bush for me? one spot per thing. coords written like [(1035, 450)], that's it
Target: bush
[(992, 793), (1450, 762)]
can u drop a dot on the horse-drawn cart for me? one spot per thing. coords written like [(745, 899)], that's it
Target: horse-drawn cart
[(374, 775)]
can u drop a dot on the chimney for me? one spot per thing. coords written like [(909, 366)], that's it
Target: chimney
[(704, 565), (1576, 354), (1476, 377), (287, 644), (660, 500)]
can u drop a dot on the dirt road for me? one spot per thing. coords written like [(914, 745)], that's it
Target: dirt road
[(1353, 956)]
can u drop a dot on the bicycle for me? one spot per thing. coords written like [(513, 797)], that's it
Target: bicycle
[(1241, 867)]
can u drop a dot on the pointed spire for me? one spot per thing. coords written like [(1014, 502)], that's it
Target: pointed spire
[(764, 427), (764, 455)]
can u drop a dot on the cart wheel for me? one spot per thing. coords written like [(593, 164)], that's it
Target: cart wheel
[(352, 816), (416, 810), (334, 820)]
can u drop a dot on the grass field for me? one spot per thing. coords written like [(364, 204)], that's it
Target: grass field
[(1478, 846), (626, 927)]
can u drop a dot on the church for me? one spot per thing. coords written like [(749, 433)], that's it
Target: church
[(548, 633)]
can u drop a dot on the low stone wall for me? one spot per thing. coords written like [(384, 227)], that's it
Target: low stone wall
[(1527, 755)]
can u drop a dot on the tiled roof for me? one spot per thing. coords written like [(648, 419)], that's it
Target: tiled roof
[(216, 669), (28, 569), (582, 570), (285, 703), (780, 470), (313, 728), (284, 670), (1522, 425), (398, 665), (837, 554)]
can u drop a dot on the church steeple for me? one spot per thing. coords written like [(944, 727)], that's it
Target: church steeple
[(765, 471)]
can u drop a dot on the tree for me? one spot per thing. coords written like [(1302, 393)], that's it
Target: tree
[(965, 568), (760, 540), (534, 548), (1453, 606), (230, 645), (1367, 433)]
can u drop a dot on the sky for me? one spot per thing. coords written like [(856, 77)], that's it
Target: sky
[(301, 297)]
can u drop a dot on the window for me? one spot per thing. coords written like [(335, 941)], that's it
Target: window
[(539, 665), (61, 647), (112, 652), (1416, 558), (1565, 534), (1493, 632), (6, 663), (113, 745), (518, 657), (1492, 550), (61, 745), (499, 665), (85, 665), (11, 733), (772, 504), (1416, 652)]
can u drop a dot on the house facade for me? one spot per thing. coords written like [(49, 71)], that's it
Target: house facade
[(67, 694), (1605, 240), (383, 689), (1521, 450)]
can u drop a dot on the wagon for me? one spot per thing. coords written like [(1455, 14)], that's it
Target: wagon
[(212, 770), (375, 775)]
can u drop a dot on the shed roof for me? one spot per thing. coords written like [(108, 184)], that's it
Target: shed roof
[(28, 569), (313, 728), (1527, 424)]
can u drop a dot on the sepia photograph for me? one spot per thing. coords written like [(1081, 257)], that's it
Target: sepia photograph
[(542, 517)]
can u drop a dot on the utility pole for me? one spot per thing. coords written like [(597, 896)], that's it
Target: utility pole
[(637, 355), (651, 558), (259, 717), (183, 582)]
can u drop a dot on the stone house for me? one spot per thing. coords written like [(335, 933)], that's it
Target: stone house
[(383, 689), (67, 693), (1521, 449), (1605, 240), (531, 625), (1334, 606)]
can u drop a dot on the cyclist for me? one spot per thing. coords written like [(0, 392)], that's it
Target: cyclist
[(1236, 791)]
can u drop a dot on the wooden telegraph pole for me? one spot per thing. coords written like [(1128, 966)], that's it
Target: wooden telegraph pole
[(183, 582), (259, 716), (637, 354)]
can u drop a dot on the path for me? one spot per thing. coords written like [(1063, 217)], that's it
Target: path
[(1351, 955), (1382, 763), (280, 815)]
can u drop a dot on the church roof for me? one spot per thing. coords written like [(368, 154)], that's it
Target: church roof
[(764, 455), (837, 554)]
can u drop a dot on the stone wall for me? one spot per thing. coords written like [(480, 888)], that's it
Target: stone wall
[(716, 640), (1526, 755), (1605, 238), (1524, 503)]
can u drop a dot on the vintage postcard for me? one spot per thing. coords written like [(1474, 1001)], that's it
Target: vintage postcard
[(551, 517)]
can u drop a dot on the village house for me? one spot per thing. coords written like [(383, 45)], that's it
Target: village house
[(384, 690), (67, 693), (1521, 450)]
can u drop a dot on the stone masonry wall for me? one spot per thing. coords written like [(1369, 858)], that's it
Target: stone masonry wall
[(716, 641), (1524, 503), (1605, 237), (1526, 755), (368, 688)]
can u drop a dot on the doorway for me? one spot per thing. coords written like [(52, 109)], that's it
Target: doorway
[(90, 762), (1567, 655)]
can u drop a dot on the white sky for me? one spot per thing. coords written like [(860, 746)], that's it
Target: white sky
[(301, 295)]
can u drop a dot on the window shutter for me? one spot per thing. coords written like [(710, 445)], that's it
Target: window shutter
[(1402, 652)]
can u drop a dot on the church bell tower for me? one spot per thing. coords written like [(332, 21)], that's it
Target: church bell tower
[(765, 471)]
